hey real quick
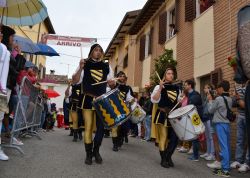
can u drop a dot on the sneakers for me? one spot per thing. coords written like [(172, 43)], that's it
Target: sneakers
[(190, 152), (192, 158), (210, 158), (214, 165), (3, 157), (183, 150), (221, 173), (17, 142), (235, 165), (204, 155), (244, 168)]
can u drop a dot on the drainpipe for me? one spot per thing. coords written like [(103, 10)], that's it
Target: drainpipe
[(38, 37)]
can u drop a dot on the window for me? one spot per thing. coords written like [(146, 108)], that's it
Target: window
[(147, 44), (216, 77), (125, 61), (171, 29), (142, 47), (193, 8), (116, 70)]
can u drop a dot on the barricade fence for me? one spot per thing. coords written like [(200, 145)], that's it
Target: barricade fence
[(28, 109)]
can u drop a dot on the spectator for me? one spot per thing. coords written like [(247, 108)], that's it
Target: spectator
[(207, 119), (222, 125), (172, 30), (241, 161), (148, 106), (4, 67), (185, 144), (194, 98)]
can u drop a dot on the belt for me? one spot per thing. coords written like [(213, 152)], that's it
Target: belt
[(165, 110)]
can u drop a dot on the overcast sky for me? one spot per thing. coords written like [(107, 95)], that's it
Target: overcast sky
[(85, 18)]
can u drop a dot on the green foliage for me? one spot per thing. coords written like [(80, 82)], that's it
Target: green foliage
[(161, 64)]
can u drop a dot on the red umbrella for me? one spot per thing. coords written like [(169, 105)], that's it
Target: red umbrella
[(51, 93)]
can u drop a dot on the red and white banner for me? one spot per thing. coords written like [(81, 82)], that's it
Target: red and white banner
[(68, 41)]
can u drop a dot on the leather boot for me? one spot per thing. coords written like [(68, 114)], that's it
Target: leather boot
[(169, 158), (96, 154), (75, 134), (115, 144), (164, 162), (71, 132), (88, 149), (80, 133)]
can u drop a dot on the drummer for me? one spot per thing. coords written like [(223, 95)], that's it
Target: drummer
[(166, 95), (90, 71), (120, 133)]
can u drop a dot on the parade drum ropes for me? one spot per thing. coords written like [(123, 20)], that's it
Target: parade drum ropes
[(111, 109), (186, 123)]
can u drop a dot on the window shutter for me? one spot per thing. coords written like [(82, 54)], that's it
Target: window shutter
[(125, 61), (216, 77), (142, 47), (162, 28), (190, 10), (151, 36)]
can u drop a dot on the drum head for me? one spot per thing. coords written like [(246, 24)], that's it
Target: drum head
[(180, 111), (105, 95)]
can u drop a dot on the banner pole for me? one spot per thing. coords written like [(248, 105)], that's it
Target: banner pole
[(81, 51)]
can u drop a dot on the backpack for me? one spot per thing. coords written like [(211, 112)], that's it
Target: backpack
[(230, 114)]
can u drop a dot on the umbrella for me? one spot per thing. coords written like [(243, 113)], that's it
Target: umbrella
[(24, 13), (27, 46), (46, 50), (51, 93), (8, 3)]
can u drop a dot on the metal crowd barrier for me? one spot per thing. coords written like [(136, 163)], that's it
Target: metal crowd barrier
[(27, 114)]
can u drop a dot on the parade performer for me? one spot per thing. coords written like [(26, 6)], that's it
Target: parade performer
[(120, 133), (91, 71), (166, 95), (74, 102)]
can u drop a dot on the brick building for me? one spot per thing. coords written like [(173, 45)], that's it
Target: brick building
[(202, 38)]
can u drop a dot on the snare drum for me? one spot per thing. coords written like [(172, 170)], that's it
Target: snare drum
[(186, 123), (111, 109), (137, 114)]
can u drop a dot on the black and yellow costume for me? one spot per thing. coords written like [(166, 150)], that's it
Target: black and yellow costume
[(120, 132), (77, 122), (169, 98), (94, 72)]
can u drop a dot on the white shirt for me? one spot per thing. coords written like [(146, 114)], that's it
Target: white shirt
[(156, 89), (109, 77)]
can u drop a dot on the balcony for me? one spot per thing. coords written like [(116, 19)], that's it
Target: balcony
[(204, 43)]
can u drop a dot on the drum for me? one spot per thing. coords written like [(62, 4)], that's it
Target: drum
[(137, 114), (186, 123), (111, 109)]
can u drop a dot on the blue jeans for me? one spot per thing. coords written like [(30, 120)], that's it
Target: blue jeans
[(241, 139), (209, 137), (147, 123), (42, 119), (223, 134), (196, 145)]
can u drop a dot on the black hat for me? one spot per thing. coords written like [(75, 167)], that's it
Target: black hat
[(7, 32), (93, 47)]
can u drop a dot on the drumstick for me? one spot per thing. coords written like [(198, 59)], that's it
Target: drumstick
[(158, 75), (177, 104), (98, 83)]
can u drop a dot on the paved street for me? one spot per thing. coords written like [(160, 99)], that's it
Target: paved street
[(56, 156)]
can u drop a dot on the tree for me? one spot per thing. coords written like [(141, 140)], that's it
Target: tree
[(161, 64)]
